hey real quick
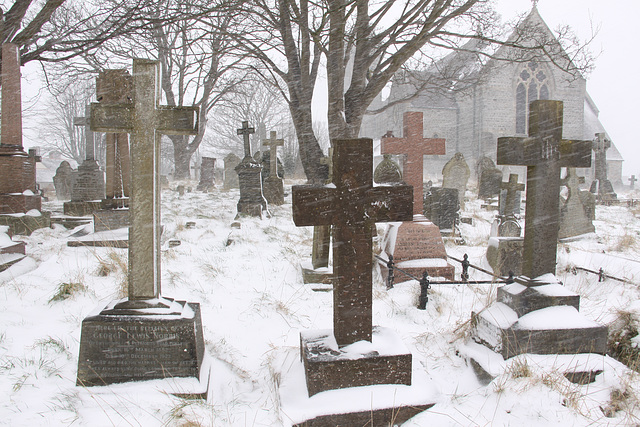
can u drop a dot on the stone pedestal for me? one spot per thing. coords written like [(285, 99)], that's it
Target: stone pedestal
[(82, 208), (120, 344), (88, 190), (417, 246), (18, 183), (110, 219), (251, 202), (541, 319)]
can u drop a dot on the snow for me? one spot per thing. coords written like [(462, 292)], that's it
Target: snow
[(558, 317), (423, 263), (254, 307)]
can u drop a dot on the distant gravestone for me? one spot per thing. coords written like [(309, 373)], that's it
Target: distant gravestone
[(490, 183), (351, 205), (510, 196), (252, 201), (544, 153), (574, 217), (207, 174), (601, 186), (482, 164), (455, 174), (63, 181), (632, 181), (144, 336), (273, 184), (442, 207), (387, 171), (231, 161)]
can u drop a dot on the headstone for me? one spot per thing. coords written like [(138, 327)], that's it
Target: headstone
[(601, 186), (510, 197), (632, 181), (490, 183), (18, 192), (414, 146), (351, 205), (88, 188), (273, 185), (63, 180), (252, 201), (115, 87), (387, 171), (508, 327), (207, 177), (574, 217), (442, 207), (455, 174), (482, 164), (144, 336), (231, 161)]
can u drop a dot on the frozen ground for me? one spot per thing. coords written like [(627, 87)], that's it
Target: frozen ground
[(254, 305)]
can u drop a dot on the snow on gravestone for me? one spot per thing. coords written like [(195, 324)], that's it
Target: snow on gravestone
[(144, 336), (506, 326)]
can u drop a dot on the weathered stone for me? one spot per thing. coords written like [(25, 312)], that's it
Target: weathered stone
[(110, 219), (601, 186), (574, 216), (510, 196), (455, 174), (252, 201), (490, 183), (483, 164), (387, 171), (231, 161), (273, 185), (509, 227), (504, 255), (442, 207), (207, 174), (64, 180), (632, 181)]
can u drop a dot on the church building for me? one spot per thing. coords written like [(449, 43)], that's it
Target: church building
[(494, 102)]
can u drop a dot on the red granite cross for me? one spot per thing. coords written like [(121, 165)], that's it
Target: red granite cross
[(414, 146), (544, 153), (351, 204)]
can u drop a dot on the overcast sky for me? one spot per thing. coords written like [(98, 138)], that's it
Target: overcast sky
[(613, 84)]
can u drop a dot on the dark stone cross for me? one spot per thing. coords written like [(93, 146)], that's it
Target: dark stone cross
[(414, 146), (632, 181), (352, 205), (145, 120), (245, 131), (544, 153), (512, 188)]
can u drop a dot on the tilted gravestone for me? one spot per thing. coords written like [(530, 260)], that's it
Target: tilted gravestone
[(207, 174), (88, 189), (455, 174), (63, 180), (144, 336), (231, 161), (574, 215), (537, 294), (400, 241), (273, 185), (252, 201), (351, 205)]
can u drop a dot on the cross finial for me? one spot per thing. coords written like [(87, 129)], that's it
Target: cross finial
[(245, 131), (535, 3)]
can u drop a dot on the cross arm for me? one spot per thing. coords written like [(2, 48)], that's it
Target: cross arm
[(111, 118), (387, 203), (313, 205), (177, 120), (575, 154)]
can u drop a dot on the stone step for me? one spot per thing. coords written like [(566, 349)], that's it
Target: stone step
[(525, 299)]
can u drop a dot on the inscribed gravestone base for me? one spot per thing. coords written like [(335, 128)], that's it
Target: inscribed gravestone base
[(352, 205), (144, 336), (455, 174), (538, 293)]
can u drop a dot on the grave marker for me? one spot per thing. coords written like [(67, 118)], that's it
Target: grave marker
[(273, 185), (252, 201), (455, 174), (601, 186), (167, 333), (510, 203), (231, 161), (207, 177), (574, 216), (632, 181)]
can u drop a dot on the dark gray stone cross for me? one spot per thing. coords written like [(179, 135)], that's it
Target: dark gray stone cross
[(352, 205), (512, 188), (544, 153), (145, 120), (245, 131)]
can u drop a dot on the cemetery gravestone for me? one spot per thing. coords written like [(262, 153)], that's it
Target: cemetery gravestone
[(273, 185), (537, 292), (601, 186), (442, 207), (632, 181), (231, 161), (574, 219), (207, 177), (387, 171), (88, 189), (482, 164), (145, 336), (455, 174), (490, 183), (63, 180), (252, 201), (351, 205), (510, 196)]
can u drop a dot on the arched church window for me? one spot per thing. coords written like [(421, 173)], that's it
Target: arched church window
[(532, 85)]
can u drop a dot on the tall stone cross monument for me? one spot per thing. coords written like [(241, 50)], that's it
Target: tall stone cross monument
[(544, 153), (601, 186), (167, 333), (252, 201), (414, 146), (273, 185)]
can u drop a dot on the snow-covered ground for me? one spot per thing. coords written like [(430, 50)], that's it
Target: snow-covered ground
[(254, 306)]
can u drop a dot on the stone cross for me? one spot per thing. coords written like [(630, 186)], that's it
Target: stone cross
[(88, 135), (245, 131), (145, 120), (632, 181), (273, 145), (351, 205), (414, 146), (512, 188), (544, 153), (600, 146)]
